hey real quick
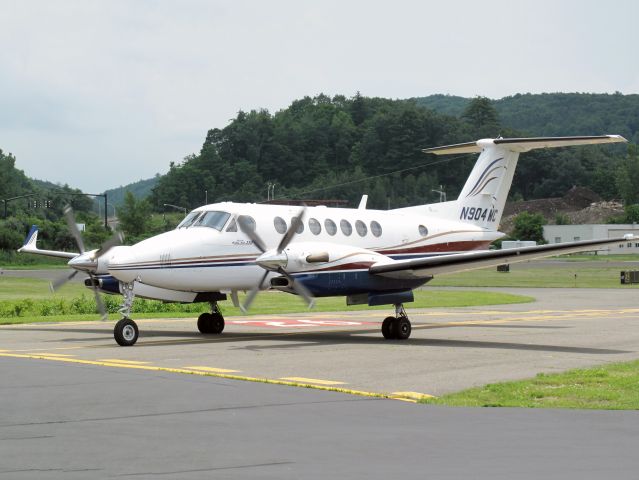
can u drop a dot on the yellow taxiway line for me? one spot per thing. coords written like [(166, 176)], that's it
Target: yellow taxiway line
[(289, 383)]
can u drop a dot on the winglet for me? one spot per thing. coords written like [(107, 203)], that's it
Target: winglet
[(32, 237)]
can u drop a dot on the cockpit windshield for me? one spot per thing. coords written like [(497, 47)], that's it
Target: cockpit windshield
[(189, 219), (215, 220)]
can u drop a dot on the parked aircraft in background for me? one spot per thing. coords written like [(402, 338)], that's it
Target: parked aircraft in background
[(373, 257)]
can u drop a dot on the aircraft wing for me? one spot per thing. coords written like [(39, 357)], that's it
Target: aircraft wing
[(459, 262)]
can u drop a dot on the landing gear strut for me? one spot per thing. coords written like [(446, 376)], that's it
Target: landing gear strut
[(397, 327), (126, 331), (211, 322)]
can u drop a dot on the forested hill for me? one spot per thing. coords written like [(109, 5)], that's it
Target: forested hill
[(140, 189), (341, 148), (552, 114)]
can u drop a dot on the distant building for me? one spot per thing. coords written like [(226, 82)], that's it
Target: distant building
[(506, 244), (574, 233)]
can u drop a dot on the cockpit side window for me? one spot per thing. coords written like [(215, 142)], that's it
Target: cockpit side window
[(232, 226), (189, 219), (215, 220)]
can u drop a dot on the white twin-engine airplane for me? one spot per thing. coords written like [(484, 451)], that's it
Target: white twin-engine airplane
[(374, 257)]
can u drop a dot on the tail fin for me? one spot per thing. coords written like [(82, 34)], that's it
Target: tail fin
[(481, 201)]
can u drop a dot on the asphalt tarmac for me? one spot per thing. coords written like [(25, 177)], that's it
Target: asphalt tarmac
[(64, 421), (449, 349)]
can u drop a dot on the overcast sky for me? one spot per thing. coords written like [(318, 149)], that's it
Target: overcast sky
[(98, 94)]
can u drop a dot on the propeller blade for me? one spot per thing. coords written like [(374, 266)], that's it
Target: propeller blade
[(253, 293), (300, 289), (73, 227), (98, 300), (292, 230), (245, 226), (116, 239), (58, 282)]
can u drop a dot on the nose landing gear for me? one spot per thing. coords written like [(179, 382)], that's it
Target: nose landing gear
[(126, 330), (397, 327)]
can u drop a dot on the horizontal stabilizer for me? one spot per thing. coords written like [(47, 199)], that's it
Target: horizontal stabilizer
[(524, 144)]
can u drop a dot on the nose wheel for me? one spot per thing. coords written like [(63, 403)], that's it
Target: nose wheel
[(126, 332), (397, 327)]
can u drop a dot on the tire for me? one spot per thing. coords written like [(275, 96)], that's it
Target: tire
[(388, 329), (402, 328), (204, 323), (216, 323), (126, 332)]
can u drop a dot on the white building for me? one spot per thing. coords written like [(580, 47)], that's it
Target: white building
[(574, 233)]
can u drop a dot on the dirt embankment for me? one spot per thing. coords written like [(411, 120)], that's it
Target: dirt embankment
[(580, 205)]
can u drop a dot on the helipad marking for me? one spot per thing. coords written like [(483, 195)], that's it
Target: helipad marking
[(312, 380), (117, 360), (212, 369)]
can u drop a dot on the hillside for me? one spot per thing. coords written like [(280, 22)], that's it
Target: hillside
[(140, 189), (555, 114)]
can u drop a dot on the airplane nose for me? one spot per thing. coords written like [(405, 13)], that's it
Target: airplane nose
[(123, 265), (85, 262)]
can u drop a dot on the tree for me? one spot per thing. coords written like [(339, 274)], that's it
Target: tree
[(134, 215), (529, 226), (482, 117), (628, 176)]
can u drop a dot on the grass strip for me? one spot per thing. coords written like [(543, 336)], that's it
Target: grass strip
[(609, 387), (275, 303)]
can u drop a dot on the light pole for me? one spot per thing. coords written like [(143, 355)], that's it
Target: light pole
[(442, 194), (177, 207)]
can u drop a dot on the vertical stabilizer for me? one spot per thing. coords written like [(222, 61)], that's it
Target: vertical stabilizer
[(482, 200)]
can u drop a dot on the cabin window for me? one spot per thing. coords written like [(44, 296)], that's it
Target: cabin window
[(189, 219), (280, 225), (249, 221), (361, 228), (376, 228), (346, 227), (215, 220), (330, 226), (423, 231), (314, 226), (300, 225)]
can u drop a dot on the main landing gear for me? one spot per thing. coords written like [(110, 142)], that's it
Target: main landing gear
[(211, 322), (397, 327)]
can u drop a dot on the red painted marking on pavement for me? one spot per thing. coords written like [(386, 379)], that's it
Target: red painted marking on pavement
[(299, 323)]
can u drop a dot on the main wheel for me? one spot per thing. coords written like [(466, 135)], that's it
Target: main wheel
[(210, 323), (216, 323), (126, 332), (402, 328), (387, 328), (204, 323)]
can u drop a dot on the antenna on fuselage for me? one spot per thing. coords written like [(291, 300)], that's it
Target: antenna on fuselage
[(362, 202)]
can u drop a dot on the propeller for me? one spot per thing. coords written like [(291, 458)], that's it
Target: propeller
[(272, 264), (86, 261)]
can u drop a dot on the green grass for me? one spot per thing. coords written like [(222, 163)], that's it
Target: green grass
[(29, 300), (582, 257), (546, 276), (611, 387)]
